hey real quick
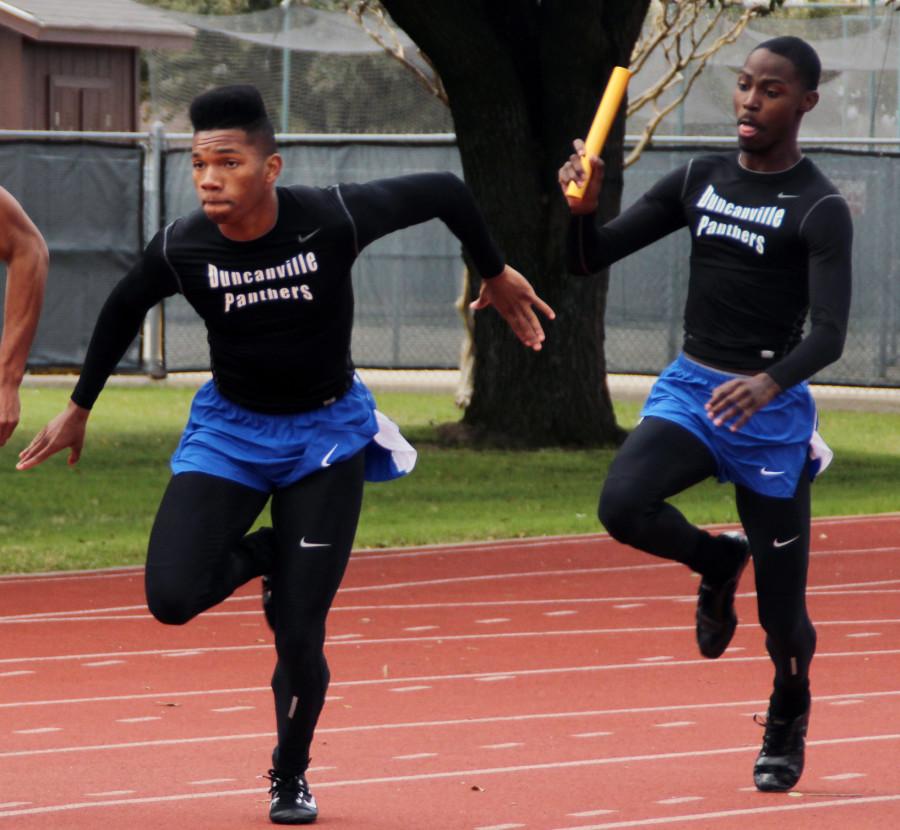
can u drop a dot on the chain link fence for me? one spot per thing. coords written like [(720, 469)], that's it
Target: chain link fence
[(90, 200)]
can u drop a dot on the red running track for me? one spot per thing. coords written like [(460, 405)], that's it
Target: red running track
[(547, 684)]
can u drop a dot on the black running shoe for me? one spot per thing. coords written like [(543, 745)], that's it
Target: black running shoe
[(716, 620), (292, 802), (780, 761)]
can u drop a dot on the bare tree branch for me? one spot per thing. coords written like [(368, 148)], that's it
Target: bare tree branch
[(688, 45)]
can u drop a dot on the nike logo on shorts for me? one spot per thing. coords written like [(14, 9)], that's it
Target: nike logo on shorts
[(304, 238), (326, 461), (777, 543), (305, 544), (767, 472)]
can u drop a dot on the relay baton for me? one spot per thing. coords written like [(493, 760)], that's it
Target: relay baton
[(603, 120)]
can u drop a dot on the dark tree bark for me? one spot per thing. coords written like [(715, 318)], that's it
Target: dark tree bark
[(523, 78)]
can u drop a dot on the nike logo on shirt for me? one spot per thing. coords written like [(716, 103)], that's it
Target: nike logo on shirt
[(788, 195), (303, 238)]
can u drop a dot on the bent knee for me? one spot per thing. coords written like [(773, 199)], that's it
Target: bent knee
[(619, 512), (170, 611)]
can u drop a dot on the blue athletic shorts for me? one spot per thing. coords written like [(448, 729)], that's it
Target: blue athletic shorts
[(768, 454), (269, 452)]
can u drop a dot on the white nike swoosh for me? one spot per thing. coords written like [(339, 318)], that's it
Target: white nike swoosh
[(767, 472), (305, 544), (326, 461), (788, 195), (779, 544), (302, 238)]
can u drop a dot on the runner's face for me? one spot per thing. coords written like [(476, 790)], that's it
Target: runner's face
[(232, 175), (770, 99)]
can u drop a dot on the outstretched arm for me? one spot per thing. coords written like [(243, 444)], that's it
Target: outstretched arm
[(24, 251), (381, 207)]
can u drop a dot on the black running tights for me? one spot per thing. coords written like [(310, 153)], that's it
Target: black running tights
[(199, 554), (660, 459)]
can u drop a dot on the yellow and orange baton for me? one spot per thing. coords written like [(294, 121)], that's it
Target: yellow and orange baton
[(603, 121)]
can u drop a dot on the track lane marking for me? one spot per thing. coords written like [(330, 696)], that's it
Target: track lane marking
[(463, 773), (432, 724)]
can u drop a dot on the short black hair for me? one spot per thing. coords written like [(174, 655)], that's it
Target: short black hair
[(238, 106), (801, 54)]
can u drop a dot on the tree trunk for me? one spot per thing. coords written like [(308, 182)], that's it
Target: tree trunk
[(523, 79)]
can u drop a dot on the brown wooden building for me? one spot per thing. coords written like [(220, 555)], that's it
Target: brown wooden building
[(74, 64)]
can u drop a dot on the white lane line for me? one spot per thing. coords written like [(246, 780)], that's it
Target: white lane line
[(9, 804), (468, 773), (592, 813), (510, 745), (529, 672), (502, 577), (861, 634), (493, 621), (750, 811), (208, 781), (575, 632), (494, 678), (226, 709), (100, 663), (675, 724), (16, 673), (838, 589), (626, 605), (592, 734), (338, 637), (403, 689), (143, 719), (844, 776), (42, 730), (109, 794), (551, 543), (683, 799), (563, 613), (415, 756), (414, 629)]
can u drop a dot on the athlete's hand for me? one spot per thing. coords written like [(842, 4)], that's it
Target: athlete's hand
[(65, 431), (514, 298), (736, 400), (574, 171), (9, 411)]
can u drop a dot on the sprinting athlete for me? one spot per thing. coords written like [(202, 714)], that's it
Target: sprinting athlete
[(770, 244), (23, 250), (268, 270)]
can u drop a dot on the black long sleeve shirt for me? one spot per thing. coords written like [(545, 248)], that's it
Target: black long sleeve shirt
[(766, 250), (279, 309)]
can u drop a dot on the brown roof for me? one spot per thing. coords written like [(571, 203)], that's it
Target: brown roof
[(95, 22)]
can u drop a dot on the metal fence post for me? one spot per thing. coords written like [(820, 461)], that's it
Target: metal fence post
[(153, 346)]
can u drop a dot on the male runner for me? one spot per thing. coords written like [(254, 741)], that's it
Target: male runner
[(24, 251), (268, 270), (771, 240)]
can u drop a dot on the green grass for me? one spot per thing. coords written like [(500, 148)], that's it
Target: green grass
[(99, 513)]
